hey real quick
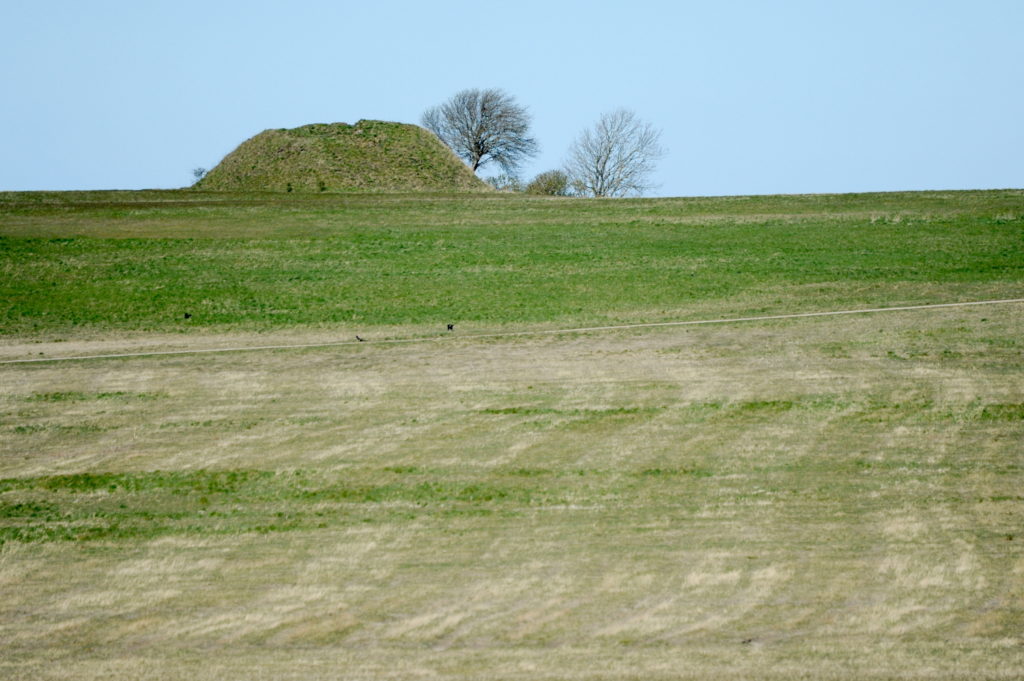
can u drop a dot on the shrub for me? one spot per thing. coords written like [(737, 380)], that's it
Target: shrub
[(505, 183), (549, 183)]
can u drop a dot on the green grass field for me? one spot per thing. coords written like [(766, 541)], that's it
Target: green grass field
[(820, 498), (80, 263)]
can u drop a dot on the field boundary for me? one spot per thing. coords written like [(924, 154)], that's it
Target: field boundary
[(512, 334)]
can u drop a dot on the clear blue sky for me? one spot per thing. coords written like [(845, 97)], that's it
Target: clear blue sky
[(753, 97)]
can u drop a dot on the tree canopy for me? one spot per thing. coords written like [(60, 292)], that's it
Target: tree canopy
[(615, 157), (484, 126)]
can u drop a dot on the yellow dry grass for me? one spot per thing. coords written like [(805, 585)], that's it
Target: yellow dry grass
[(819, 499)]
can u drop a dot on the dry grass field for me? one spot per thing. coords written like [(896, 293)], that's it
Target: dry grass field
[(824, 498), (829, 498)]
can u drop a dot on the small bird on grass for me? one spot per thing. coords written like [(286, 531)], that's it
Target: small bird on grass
[(451, 327), (188, 315), (361, 340)]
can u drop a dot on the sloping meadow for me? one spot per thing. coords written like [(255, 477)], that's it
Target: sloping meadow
[(126, 262), (828, 498)]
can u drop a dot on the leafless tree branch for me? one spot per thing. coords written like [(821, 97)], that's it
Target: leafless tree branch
[(615, 157), (482, 126)]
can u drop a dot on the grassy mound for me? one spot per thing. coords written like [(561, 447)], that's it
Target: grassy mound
[(367, 156)]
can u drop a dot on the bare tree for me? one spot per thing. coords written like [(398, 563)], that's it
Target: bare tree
[(481, 126), (615, 157)]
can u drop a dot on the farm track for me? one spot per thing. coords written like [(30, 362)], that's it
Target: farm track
[(513, 334)]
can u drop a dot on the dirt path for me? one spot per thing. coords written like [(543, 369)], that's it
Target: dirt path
[(41, 349)]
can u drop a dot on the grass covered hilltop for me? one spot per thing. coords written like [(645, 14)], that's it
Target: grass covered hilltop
[(367, 156), (819, 498)]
